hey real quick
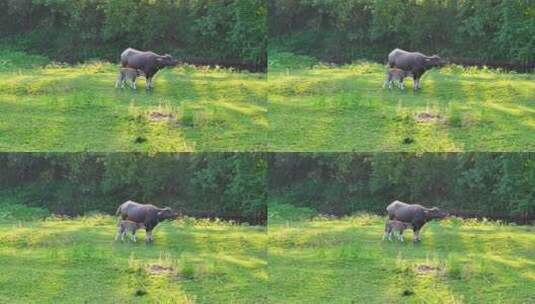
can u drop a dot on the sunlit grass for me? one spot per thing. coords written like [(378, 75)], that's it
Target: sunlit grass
[(78, 261), (330, 260), (77, 108), (345, 108)]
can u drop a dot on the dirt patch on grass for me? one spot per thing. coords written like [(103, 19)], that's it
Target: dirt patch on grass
[(159, 269), (428, 117), (425, 269), (159, 116)]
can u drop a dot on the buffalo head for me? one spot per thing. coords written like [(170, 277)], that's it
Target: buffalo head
[(167, 214), (434, 61), (166, 60), (436, 213)]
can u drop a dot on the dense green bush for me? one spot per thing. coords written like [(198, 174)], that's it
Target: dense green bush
[(15, 59), (278, 60), (222, 31), (480, 184), (282, 213), (15, 211), (498, 31), (226, 185)]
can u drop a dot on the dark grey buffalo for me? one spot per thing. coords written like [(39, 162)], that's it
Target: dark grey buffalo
[(416, 215), (147, 62), (145, 214), (413, 62)]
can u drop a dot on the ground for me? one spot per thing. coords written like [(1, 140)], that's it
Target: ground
[(77, 261), (77, 108), (345, 108), (329, 260)]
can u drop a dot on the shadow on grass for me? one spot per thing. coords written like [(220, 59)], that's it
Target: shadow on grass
[(340, 110), (344, 268), (335, 115), (226, 268), (78, 109)]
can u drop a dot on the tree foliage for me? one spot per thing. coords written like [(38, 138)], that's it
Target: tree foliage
[(227, 185), (219, 31), (494, 31), (482, 184)]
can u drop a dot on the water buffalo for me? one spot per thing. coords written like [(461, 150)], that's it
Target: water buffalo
[(147, 62), (415, 215), (146, 214), (128, 226), (127, 75), (396, 227), (397, 76), (416, 63)]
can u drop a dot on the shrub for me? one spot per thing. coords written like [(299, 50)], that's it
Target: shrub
[(19, 60), (285, 60), (12, 211), (282, 212)]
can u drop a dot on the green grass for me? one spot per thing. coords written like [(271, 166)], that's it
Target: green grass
[(344, 260), (345, 108), (77, 261), (77, 108)]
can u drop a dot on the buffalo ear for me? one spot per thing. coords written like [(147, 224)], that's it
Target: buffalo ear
[(159, 59)]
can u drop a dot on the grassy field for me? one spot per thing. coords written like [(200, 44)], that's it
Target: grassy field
[(77, 261), (345, 108), (77, 108), (345, 261)]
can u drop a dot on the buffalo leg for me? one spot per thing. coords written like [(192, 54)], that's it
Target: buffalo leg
[(416, 234), (388, 231), (148, 237), (118, 81), (417, 84)]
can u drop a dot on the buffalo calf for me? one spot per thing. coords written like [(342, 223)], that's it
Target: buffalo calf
[(394, 75), (396, 227), (127, 75), (125, 227)]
